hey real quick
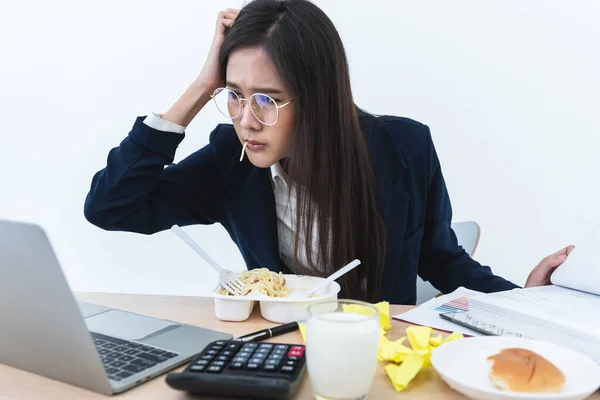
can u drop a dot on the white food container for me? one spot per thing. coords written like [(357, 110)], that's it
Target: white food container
[(274, 309)]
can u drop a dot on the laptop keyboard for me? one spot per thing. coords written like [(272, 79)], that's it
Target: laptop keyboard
[(122, 358)]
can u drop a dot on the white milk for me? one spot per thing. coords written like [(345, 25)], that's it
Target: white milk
[(341, 354)]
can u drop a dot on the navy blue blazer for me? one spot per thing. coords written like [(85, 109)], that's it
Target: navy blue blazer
[(135, 192)]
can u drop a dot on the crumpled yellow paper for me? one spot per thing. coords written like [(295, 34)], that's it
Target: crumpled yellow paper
[(383, 308), (404, 362), (414, 359)]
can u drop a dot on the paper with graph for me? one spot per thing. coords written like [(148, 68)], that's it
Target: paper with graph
[(428, 313)]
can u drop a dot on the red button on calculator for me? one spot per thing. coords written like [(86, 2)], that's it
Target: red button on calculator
[(296, 351)]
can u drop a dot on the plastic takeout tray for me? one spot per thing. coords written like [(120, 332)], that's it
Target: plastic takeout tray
[(274, 309)]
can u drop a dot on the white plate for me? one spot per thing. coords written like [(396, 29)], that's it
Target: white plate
[(463, 365)]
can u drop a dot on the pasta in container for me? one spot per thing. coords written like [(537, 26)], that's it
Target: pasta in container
[(261, 281), (271, 290)]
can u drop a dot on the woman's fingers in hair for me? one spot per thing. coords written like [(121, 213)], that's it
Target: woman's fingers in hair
[(229, 15), (227, 22), (226, 17)]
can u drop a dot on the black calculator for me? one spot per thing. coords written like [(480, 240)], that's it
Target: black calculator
[(239, 369)]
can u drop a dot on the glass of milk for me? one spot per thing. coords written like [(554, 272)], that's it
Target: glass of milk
[(341, 349)]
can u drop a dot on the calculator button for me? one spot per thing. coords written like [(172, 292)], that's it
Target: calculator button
[(227, 353), (265, 346), (287, 369), (295, 353), (255, 361), (202, 362), (263, 351), (232, 346), (197, 368), (222, 358), (206, 357), (283, 347), (244, 354), (293, 358), (272, 362), (212, 352), (240, 359), (217, 364), (236, 365), (290, 363), (250, 345), (220, 343), (217, 348), (275, 357), (269, 367), (214, 368), (252, 366)]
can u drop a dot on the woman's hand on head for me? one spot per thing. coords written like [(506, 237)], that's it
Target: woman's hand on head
[(540, 275), (210, 76), (199, 92)]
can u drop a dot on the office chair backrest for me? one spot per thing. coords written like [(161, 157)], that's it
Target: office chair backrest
[(468, 234)]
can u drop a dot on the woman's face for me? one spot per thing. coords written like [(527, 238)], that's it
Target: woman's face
[(249, 71)]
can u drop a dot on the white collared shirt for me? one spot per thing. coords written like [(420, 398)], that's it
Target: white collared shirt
[(285, 203), (285, 207)]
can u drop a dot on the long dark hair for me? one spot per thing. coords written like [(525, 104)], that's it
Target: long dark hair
[(330, 161)]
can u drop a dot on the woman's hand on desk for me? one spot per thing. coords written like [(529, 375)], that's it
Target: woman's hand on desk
[(540, 275)]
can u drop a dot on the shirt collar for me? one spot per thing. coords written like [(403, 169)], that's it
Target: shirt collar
[(278, 172)]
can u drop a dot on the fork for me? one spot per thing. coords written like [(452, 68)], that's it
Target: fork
[(228, 279)]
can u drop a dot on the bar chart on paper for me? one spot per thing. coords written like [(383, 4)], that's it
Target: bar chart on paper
[(455, 305), (428, 313)]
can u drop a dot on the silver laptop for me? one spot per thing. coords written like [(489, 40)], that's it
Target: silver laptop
[(44, 330)]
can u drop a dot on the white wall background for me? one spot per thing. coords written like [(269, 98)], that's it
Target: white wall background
[(510, 90)]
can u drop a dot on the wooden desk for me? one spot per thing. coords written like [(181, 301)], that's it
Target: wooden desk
[(17, 384)]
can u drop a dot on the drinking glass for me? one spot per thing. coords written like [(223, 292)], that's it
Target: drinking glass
[(342, 340)]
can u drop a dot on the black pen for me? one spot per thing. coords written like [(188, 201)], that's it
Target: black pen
[(269, 333)]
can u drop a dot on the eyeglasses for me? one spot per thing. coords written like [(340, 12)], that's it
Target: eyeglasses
[(263, 107)]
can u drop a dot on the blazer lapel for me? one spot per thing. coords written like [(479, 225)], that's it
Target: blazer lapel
[(255, 220)]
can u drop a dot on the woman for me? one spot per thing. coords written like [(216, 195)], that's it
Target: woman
[(302, 180)]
